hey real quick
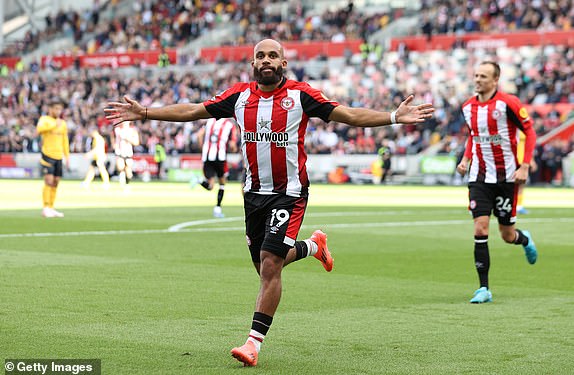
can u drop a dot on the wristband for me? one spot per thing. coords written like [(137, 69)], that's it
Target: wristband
[(394, 117), (145, 118)]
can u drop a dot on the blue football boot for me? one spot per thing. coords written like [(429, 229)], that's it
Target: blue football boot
[(481, 295), (530, 249)]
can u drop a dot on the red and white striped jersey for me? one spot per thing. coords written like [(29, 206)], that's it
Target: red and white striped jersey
[(273, 126), (492, 140), (218, 133), (126, 137)]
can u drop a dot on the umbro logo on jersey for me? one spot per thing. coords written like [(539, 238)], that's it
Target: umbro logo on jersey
[(243, 104)]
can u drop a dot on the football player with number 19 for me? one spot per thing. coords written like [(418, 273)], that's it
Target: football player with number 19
[(272, 113), (493, 118)]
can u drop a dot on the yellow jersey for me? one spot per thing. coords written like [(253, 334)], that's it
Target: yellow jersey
[(54, 134), (520, 147), (98, 148)]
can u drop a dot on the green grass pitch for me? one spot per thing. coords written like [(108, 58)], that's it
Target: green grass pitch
[(150, 283)]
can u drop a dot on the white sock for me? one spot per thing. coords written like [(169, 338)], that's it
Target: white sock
[(311, 246), (253, 337)]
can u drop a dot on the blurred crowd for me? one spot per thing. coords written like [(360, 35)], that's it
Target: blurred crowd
[(173, 23), (170, 23), (335, 24), (542, 77), (24, 97), (62, 23), (153, 24), (496, 16)]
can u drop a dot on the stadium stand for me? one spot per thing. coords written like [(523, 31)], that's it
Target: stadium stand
[(451, 16), (541, 75)]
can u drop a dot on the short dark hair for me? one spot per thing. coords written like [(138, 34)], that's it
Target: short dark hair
[(56, 101), (494, 65)]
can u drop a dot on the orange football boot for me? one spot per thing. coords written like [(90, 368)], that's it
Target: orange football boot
[(246, 354), (323, 253)]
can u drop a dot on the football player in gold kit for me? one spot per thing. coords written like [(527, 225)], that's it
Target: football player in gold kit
[(98, 158), (55, 148)]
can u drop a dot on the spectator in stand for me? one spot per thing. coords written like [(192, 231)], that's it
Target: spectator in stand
[(455, 17), (551, 158), (537, 74)]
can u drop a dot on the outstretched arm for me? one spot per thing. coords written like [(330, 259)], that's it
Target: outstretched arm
[(131, 110), (366, 118)]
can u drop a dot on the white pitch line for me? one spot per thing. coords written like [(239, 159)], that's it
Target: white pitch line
[(241, 228), (88, 233), (180, 226)]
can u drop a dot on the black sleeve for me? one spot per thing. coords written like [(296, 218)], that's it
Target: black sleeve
[(222, 108), (315, 108), (514, 118)]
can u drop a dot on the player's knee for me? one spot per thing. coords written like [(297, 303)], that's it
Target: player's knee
[(481, 231), (270, 267)]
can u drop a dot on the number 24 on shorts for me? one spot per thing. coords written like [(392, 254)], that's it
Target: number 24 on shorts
[(503, 204)]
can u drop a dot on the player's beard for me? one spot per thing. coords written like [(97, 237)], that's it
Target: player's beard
[(268, 80)]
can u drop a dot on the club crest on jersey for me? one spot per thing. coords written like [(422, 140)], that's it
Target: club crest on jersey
[(287, 103), (496, 114)]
